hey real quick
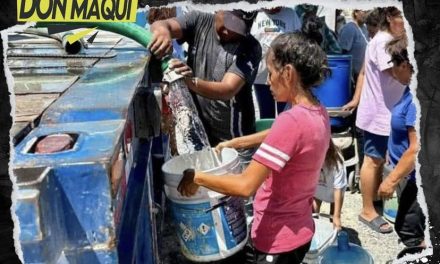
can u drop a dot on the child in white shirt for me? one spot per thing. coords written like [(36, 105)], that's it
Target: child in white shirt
[(332, 184)]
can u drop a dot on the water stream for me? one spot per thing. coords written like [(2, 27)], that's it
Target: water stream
[(189, 133)]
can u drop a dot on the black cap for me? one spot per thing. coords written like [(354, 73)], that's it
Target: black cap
[(238, 21)]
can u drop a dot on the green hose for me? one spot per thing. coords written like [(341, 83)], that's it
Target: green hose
[(129, 30)]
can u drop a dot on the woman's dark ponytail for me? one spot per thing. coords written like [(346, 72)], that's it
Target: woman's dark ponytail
[(332, 157)]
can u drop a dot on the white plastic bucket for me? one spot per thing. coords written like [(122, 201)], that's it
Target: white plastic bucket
[(204, 234)]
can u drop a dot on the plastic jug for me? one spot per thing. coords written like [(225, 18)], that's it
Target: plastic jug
[(345, 253)]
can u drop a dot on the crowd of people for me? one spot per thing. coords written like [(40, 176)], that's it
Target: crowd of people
[(293, 166)]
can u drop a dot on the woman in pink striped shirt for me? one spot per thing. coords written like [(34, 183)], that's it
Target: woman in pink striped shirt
[(284, 171)]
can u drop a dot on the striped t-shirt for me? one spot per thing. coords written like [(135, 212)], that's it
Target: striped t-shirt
[(295, 151)]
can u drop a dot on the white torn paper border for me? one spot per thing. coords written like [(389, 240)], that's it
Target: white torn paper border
[(420, 192), (10, 82), (358, 4)]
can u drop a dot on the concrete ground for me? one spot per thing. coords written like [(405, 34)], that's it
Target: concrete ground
[(382, 247)]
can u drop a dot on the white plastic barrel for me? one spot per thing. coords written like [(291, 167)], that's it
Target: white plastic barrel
[(204, 234)]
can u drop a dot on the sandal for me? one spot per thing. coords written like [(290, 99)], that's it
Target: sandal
[(376, 223)]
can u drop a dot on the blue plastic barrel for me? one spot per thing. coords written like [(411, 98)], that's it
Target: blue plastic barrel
[(335, 91), (266, 103)]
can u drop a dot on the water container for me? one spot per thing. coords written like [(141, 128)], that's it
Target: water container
[(266, 103), (209, 225), (390, 206), (263, 124), (325, 236), (345, 253), (335, 91)]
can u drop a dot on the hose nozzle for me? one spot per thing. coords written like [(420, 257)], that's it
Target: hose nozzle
[(170, 76)]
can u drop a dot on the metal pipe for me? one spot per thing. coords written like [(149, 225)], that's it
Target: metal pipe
[(74, 48), (129, 30)]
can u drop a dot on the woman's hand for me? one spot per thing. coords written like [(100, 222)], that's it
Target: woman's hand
[(181, 68), (386, 189), (222, 145), (350, 106), (187, 186)]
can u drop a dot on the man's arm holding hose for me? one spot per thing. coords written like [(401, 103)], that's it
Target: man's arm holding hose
[(225, 89), (164, 31)]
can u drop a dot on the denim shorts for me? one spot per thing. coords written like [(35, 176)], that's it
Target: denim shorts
[(375, 146)]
